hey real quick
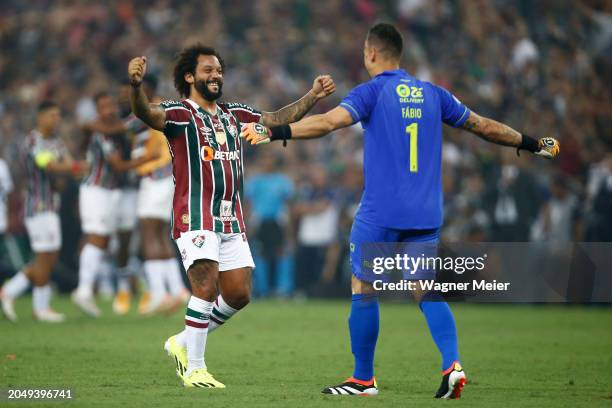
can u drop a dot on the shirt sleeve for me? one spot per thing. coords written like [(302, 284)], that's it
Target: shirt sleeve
[(244, 113), (360, 101), (454, 113), (178, 118)]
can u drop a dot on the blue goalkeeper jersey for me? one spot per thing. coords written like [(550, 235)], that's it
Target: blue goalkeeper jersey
[(402, 120)]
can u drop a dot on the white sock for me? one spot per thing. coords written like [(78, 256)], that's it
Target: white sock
[(155, 277), (172, 274), (221, 312), (196, 328), (16, 286), (105, 275), (123, 278), (41, 297), (89, 263)]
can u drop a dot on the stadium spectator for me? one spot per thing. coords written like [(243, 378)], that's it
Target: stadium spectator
[(317, 229), (510, 201), (269, 192)]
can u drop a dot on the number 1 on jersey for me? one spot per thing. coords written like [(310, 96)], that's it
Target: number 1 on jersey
[(413, 131)]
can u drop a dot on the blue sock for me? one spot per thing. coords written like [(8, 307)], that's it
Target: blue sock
[(442, 328), (363, 326)]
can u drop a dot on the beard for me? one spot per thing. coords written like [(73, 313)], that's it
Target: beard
[(202, 88)]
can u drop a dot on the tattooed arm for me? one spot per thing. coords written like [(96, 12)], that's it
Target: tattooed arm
[(322, 86), (492, 131), (498, 133)]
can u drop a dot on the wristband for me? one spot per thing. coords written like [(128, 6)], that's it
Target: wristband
[(528, 143), (282, 132)]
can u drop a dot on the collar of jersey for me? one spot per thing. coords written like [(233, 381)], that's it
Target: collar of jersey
[(393, 72), (199, 108)]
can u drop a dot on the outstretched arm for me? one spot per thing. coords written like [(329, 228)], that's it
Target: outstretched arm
[(309, 128), (322, 86), (320, 125), (492, 130), (120, 165), (501, 134), (47, 161), (151, 114)]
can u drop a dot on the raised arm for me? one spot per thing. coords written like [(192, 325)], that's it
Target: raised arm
[(47, 161), (151, 114), (322, 86), (309, 128), (501, 134)]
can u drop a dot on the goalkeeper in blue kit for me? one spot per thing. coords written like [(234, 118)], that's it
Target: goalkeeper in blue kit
[(402, 199)]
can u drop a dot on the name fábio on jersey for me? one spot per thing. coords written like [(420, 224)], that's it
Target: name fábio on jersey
[(208, 154)]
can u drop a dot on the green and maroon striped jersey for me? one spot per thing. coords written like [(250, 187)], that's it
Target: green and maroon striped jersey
[(40, 194), (101, 174), (207, 165)]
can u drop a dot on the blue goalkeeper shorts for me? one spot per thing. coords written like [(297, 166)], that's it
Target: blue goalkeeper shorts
[(370, 243)]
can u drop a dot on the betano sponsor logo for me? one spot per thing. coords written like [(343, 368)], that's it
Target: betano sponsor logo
[(208, 154)]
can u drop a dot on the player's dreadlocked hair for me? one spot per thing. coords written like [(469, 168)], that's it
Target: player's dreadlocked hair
[(387, 38), (186, 62)]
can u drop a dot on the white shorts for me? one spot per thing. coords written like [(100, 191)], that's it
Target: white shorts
[(230, 250), (126, 209), (98, 209), (44, 231), (155, 198)]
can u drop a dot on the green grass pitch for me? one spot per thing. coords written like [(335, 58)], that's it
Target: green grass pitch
[(282, 354)]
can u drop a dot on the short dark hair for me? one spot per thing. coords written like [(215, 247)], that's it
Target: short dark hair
[(100, 95), (388, 38), (46, 105), (186, 62)]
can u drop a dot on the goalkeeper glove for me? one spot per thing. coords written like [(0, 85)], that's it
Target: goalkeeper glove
[(547, 147)]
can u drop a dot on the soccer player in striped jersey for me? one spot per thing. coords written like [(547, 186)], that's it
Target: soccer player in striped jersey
[(208, 223), (98, 201), (45, 157), (402, 200)]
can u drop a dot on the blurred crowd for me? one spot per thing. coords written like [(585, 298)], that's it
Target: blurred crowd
[(541, 67)]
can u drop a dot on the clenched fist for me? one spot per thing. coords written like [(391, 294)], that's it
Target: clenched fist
[(136, 70), (323, 86), (549, 147)]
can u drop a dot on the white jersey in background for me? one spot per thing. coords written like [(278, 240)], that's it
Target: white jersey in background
[(6, 186)]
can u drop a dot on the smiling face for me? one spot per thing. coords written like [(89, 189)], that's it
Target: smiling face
[(208, 78)]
